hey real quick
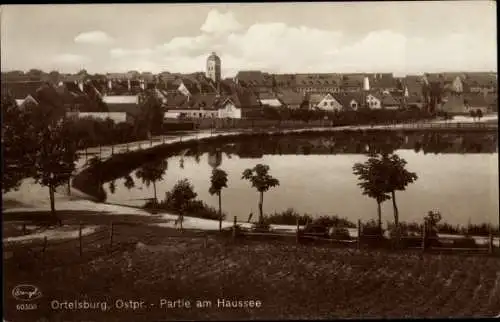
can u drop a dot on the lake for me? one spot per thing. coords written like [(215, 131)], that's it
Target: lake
[(458, 175)]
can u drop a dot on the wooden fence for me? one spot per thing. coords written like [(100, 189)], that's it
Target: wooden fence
[(105, 240)]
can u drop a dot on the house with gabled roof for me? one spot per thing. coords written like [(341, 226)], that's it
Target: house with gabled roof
[(390, 103), (291, 99), (324, 102), (373, 100), (349, 101)]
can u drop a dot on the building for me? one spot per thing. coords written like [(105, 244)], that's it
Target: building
[(291, 99), (462, 104), (348, 101), (318, 83), (116, 117), (257, 81), (390, 103), (128, 104), (373, 101), (324, 102), (213, 70), (270, 100)]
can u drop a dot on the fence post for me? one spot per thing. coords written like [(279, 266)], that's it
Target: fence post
[(359, 233), (424, 235), (24, 228), (234, 227), (298, 231), (112, 149), (163, 139), (111, 236), (80, 238)]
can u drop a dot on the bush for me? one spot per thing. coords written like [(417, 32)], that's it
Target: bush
[(333, 221), (405, 229), (182, 197), (465, 242), (371, 228), (287, 217), (261, 226), (339, 233)]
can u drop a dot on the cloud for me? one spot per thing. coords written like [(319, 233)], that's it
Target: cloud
[(123, 53), (70, 59), (217, 22), (93, 37), (281, 48)]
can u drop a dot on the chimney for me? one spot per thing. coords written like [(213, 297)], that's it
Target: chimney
[(366, 84)]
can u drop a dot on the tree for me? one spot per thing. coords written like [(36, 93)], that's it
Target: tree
[(18, 144), (129, 182), (152, 172), (112, 187), (473, 114), (55, 160), (150, 118), (260, 179), (372, 180), (397, 177), (479, 114), (218, 181), (179, 198)]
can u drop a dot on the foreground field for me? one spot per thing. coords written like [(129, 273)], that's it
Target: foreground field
[(290, 281)]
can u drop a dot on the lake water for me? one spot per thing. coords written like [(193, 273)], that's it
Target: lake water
[(458, 175)]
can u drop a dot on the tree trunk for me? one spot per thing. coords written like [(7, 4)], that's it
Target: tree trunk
[(261, 201), (395, 206), (154, 190), (220, 211), (69, 187), (53, 205), (379, 212)]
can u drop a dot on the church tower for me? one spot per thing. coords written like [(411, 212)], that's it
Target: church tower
[(213, 68)]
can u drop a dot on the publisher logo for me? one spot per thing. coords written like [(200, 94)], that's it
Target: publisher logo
[(26, 292)]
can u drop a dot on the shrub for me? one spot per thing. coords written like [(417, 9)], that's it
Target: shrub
[(465, 242), (287, 217), (261, 226), (405, 229), (335, 221), (339, 233), (199, 209), (371, 228)]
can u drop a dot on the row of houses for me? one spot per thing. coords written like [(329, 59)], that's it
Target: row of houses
[(196, 96)]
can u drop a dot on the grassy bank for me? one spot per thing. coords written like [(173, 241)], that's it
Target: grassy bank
[(292, 282)]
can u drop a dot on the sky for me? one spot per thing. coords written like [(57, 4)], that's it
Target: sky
[(399, 37)]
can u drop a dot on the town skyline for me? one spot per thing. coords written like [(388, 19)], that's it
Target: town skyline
[(406, 38)]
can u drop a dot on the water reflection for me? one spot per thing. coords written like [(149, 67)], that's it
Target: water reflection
[(458, 175), (251, 148)]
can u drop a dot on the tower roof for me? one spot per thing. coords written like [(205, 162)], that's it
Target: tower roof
[(213, 56)]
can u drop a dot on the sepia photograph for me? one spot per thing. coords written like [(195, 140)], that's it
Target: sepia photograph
[(250, 161)]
